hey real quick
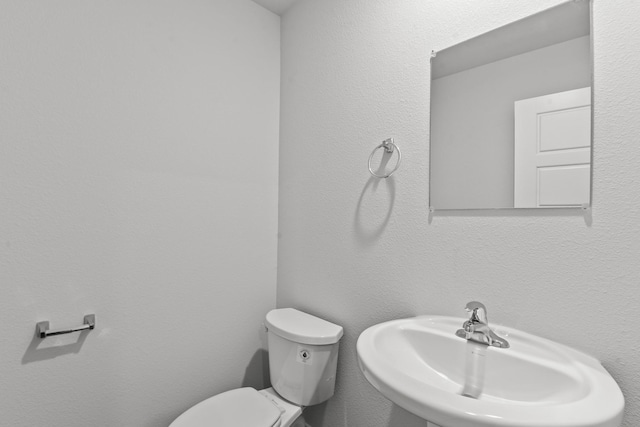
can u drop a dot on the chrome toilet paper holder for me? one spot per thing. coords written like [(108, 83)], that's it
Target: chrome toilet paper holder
[(43, 331)]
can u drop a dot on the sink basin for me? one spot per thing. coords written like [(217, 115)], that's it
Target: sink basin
[(421, 365)]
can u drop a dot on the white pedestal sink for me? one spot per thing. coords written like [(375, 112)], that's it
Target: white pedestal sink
[(419, 364)]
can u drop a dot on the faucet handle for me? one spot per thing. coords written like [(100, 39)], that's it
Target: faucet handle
[(478, 312), (468, 329)]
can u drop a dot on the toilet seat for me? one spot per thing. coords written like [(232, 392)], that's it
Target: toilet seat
[(244, 407)]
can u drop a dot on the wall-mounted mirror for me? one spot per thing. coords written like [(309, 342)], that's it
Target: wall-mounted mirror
[(511, 115)]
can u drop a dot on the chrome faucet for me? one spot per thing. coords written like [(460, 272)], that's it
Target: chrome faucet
[(477, 327)]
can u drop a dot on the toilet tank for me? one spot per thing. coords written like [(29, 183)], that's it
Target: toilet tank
[(303, 355)]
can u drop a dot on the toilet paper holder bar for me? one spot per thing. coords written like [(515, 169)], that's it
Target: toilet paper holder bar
[(43, 331)]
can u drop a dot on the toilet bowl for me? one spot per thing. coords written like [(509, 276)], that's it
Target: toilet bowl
[(303, 354)]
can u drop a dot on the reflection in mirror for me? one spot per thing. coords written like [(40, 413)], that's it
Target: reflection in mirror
[(511, 115)]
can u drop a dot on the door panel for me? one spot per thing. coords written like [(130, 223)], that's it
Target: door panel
[(563, 185)]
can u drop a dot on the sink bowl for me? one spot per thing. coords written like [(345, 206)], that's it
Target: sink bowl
[(422, 366)]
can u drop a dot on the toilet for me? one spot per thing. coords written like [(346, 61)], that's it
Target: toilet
[(303, 356)]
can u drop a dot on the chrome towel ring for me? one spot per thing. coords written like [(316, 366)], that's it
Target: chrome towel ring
[(389, 147)]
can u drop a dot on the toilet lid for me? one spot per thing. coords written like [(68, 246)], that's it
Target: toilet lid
[(240, 407)]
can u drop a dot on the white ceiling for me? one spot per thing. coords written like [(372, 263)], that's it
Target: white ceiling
[(276, 6), (555, 25)]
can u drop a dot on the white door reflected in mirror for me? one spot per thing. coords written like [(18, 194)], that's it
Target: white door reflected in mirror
[(553, 150)]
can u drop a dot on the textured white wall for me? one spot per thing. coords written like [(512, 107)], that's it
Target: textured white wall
[(138, 171), (359, 251)]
